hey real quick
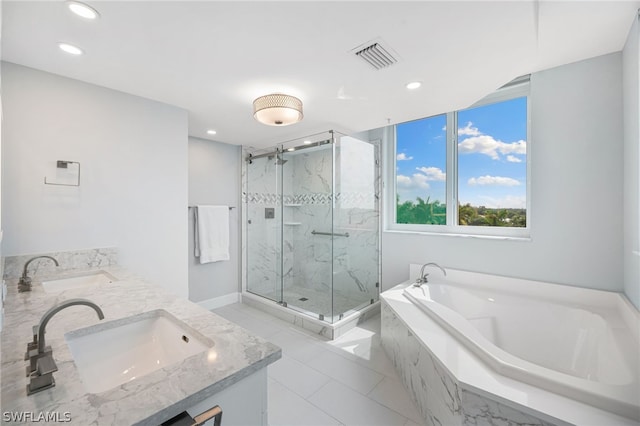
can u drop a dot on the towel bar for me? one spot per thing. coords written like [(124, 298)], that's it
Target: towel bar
[(335, 234), (191, 207)]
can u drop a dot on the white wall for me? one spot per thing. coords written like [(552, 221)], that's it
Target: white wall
[(214, 178), (576, 191), (133, 192), (631, 98), (1, 233)]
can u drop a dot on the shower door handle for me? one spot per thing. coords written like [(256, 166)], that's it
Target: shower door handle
[(335, 234)]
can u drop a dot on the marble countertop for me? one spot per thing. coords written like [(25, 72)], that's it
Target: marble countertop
[(147, 400)]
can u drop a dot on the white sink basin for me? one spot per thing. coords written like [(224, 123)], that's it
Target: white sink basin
[(113, 353), (78, 281)]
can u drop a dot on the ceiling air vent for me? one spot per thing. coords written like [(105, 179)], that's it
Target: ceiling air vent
[(376, 55)]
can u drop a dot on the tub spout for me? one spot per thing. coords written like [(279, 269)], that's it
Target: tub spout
[(422, 279)]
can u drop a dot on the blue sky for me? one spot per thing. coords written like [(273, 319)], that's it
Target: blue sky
[(491, 156)]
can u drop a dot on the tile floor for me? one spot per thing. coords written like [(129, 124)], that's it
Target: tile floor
[(319, 301), (347, 381)]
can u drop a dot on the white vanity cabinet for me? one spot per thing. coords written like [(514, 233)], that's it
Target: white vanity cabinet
[(243, 403)]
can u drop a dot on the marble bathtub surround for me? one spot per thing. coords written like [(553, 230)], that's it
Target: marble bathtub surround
[(68, 260), (451, 386), (148, 400)]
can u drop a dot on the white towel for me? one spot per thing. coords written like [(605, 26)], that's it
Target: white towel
[(212, 233)]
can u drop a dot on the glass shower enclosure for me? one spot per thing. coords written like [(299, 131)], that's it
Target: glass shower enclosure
[(313, 225)]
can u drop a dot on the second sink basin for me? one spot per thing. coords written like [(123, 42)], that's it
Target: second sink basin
[(113, 353), (78, 281)]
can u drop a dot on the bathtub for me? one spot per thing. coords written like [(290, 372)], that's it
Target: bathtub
[(579, 343)]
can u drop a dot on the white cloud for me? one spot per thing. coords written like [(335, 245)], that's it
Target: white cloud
[(493, 180), (403, 157), (402, 180), (508, 202), (468, 130), (519, 147), (513, 159), (417, 181), (487, 145), (433, 173)]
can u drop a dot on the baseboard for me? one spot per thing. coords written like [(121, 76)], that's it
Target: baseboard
[(218, 302)]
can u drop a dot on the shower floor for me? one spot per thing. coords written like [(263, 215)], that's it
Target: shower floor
[(319, 302)]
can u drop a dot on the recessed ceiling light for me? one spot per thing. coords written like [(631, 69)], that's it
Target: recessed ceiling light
[(70, 49), (82, 10), (413, 85), (307, 142), (211, 132), (291, 149)]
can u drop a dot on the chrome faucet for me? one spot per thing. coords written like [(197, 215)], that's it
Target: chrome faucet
[(41, 364), (25, 281), (422, 279)]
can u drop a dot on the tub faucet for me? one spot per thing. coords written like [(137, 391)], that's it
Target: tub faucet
[(422, 279), (41, 364), (25, 281)]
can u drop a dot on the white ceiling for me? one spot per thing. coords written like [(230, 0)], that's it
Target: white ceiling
[(213, 58)]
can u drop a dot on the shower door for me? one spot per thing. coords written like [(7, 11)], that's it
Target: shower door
[(356, 248), (264, 227), (307, 227), (313, 225)]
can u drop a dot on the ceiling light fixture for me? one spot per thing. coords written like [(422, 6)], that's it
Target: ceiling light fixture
[(82, 10), (413, 85), (211, 132), (70, 49), (277, 109), (307, 142)]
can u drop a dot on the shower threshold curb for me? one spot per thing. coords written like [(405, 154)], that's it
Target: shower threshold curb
[(314, 325)]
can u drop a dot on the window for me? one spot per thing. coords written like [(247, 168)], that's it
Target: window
[(465, 172), (421, 156)]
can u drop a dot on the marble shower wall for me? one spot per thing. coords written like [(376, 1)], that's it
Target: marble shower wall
[(310, 193)]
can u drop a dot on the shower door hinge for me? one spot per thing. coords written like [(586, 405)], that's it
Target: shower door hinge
[(372, 302), (321, 317), (377, 285)]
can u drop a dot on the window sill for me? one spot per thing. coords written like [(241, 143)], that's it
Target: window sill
[(461, 235)]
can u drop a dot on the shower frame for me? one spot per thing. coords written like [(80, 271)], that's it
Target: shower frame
[(291, 150)]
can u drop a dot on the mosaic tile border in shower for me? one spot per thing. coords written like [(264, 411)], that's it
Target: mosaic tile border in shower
[(309, 199)]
